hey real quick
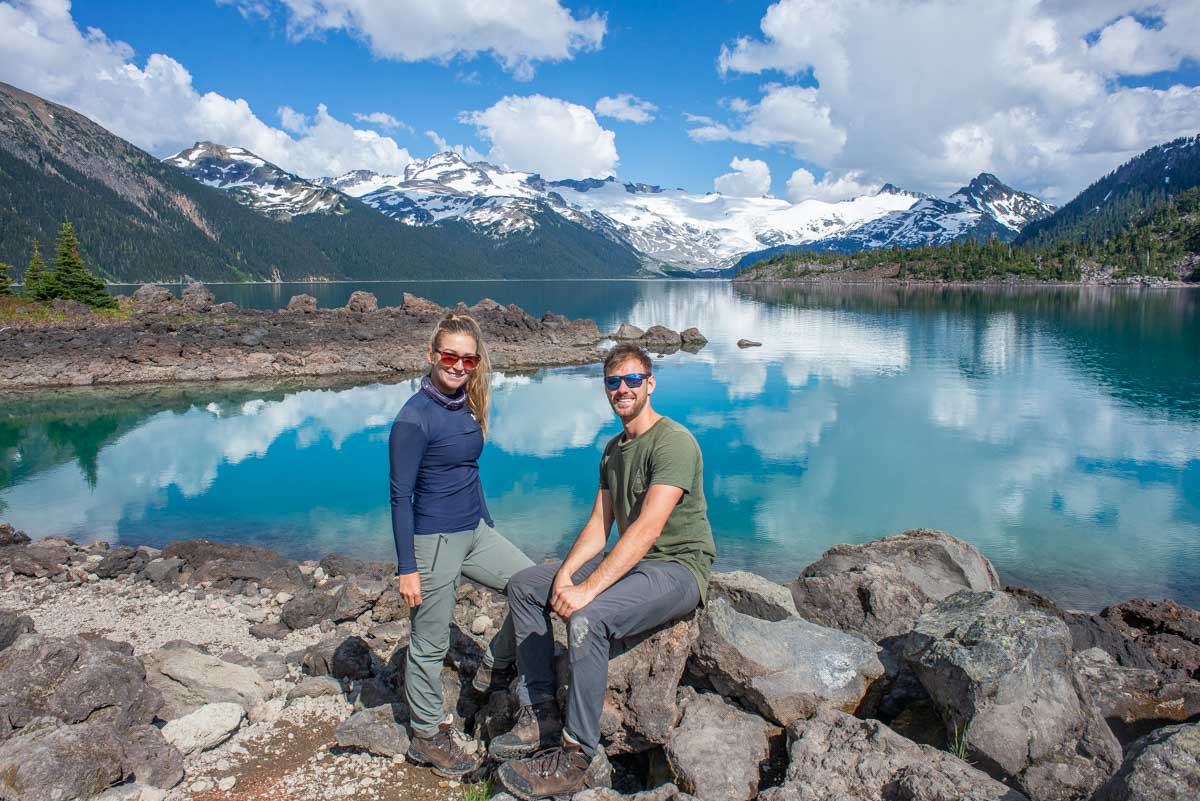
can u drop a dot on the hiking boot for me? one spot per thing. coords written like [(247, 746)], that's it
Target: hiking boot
[(557, 773), (489, 678), (443, 752), (538, 726)]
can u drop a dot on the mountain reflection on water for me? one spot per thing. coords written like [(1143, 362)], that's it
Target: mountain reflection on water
[(1056, 429)]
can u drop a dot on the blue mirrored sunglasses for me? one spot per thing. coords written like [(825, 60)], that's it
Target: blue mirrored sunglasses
[(632, 380)]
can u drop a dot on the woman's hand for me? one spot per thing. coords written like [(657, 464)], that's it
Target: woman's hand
[(409, 585)]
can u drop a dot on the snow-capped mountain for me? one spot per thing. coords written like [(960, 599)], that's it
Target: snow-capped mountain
[(256, 182), (1012, 209), (671, 230)]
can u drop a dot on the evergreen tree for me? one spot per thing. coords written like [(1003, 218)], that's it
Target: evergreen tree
[(35, 274), (71, 279), (5, 281)]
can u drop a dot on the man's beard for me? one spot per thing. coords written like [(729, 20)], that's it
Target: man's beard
[(639, 403)]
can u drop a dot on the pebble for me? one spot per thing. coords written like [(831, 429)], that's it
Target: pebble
[(201, 786), (481, 624), (227, 783)]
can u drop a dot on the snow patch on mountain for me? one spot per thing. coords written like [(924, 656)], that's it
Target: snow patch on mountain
[(255, 182)]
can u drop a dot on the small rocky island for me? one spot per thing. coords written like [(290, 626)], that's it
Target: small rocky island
[(158, 338), (898, 669)]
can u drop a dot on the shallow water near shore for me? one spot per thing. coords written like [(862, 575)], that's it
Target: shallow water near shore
[(1057, 429)]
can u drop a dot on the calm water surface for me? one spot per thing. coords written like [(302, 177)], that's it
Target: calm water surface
[(1056, 429)]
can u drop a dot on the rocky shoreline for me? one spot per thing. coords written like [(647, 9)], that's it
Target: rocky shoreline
[(897, 669), (160, 339)]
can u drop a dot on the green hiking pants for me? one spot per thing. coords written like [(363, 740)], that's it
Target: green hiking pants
[(483, 556)]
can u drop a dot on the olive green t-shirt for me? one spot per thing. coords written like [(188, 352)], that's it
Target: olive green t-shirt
[(666, 454)]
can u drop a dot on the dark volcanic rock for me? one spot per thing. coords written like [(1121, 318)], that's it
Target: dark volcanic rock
[(340, 657), (1168, 630), (362, 302), (310, 607), (222, 564), (1001, 677), (152, 297), (836, 756), (1135, 701), (661, 339), (639, 708), (305, 304), (628, 331), (879, 588), (73, 679), (692, 338), (36, 560), (11, 536), (419, 306), (121, 560), (196, 297), (163, 571)]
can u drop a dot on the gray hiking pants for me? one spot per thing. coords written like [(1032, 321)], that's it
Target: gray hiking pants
[(649, 595), (484, 557)]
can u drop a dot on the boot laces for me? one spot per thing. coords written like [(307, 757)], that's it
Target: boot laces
[(550, 762)]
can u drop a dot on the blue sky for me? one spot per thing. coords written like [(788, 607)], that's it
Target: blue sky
[(813, 99)]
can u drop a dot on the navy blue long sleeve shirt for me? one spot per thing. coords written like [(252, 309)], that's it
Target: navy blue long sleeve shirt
[(434, 453)]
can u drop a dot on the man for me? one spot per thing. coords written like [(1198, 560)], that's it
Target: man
[(652, 485)]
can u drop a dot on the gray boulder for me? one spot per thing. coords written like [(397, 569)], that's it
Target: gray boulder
[(204, 728), (223, 564), (1162, 766), (753, 595), (880, 588), (692, 338), (389, 607), (627, 331), (786, 669), (1134, 701), (836, 756), (374, 730), (12, 626), (50, 760), (414, 304), (362, 302), (315, 687), (305, 304), (163, 572), (659, 338), (152, 759), (639, 707), (152, 297), (748, 343), (188, 679), (197, 297), (716, 751), (357, 595), (75, 680), (1001, 677), (664, 792), (40, 559)]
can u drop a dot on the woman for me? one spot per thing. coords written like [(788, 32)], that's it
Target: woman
[(443, 532)]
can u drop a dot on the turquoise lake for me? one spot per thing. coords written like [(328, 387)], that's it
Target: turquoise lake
[(1057, 429)]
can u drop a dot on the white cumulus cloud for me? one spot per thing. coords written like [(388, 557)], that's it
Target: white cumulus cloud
[(546, 135), (466, 151), (156, 106), (803, 185), (381, 119), (929, 93), (786, 115), (750, 178), (517, 33), (627, 108)]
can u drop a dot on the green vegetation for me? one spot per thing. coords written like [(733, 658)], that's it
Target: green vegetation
[(5, 281), (35, 274), (958, 261), (958, 745), (71, 279), (1106, 208), (1155, 243), (480, 791)]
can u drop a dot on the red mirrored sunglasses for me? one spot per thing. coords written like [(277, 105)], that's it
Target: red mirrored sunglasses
[(449, 359)]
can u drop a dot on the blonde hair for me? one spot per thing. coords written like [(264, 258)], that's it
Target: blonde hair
[(479, 387)]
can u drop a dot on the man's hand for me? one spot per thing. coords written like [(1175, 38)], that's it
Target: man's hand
[(569, 599), (409, 585)]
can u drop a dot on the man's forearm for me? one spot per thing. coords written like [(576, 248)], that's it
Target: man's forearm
[(590, 542), (629, 550)]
